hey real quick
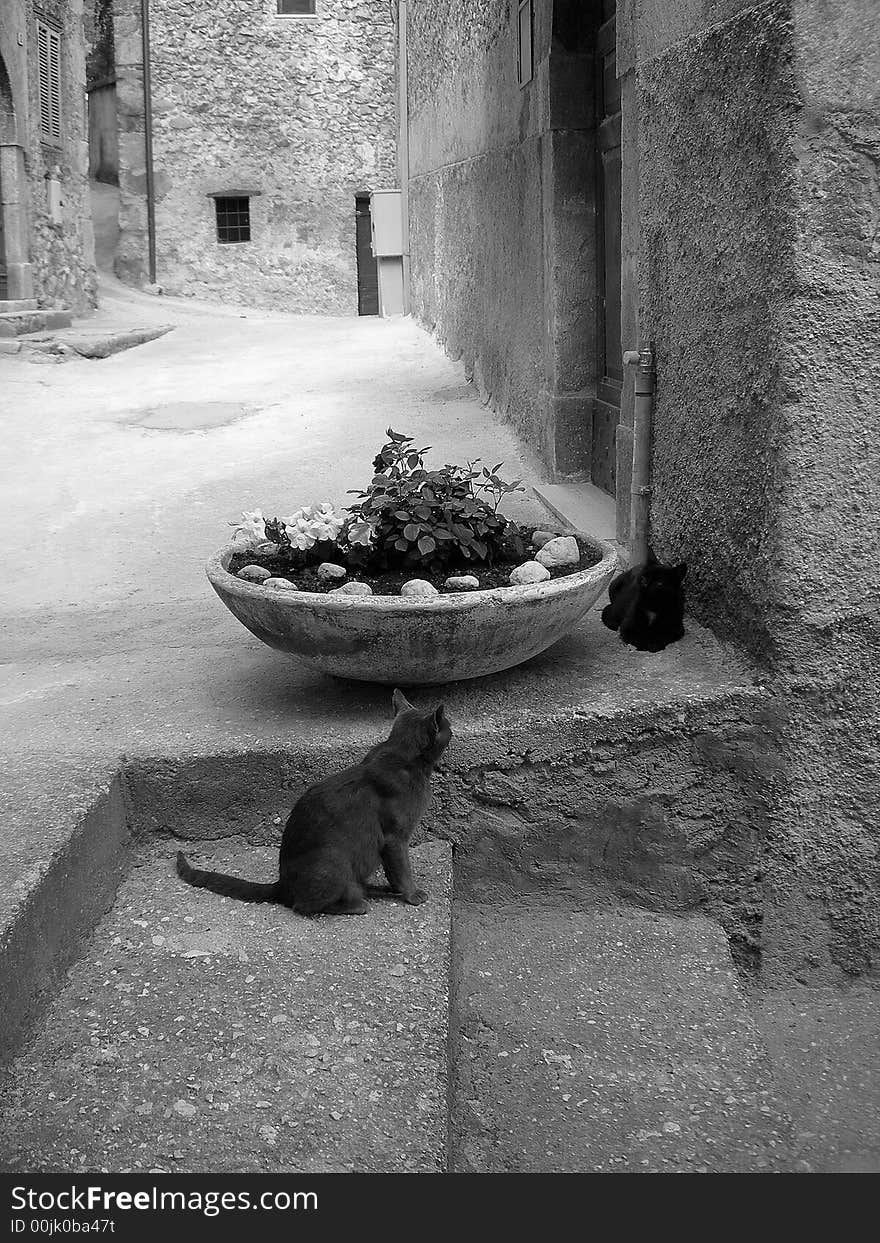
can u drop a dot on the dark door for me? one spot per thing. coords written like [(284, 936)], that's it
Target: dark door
[(368, 276), (610, 364)]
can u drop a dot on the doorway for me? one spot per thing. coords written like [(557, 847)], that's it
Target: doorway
[(367, 270), (609, 380)]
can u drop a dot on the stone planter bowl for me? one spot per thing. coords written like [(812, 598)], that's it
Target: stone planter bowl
[(406, 641)]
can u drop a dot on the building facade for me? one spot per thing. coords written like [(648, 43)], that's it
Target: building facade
[(700, 177), (265, 125), (46, 244)]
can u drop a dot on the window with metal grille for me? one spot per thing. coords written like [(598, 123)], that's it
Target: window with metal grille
[(49, 73), (233, 219), (296, 8), (525, 27)]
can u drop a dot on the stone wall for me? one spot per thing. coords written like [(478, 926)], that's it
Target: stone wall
[(62, 252), (301, 112), (58, 255), (501, 211)]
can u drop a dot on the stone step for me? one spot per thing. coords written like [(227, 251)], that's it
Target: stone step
[(90, 343), (612, 1040), (17, 323), (12, 305), (198, 1032), (582, 506)]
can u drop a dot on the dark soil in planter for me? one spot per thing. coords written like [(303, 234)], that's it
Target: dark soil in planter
[(390, 582)]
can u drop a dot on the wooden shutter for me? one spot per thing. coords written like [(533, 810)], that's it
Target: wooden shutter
[(49, 70)]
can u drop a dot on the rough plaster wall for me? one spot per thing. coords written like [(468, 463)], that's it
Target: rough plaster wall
[(831, 513), (717, 209), (832, 342), (476, 200), (760, 290), (62, 254), (759, 263), (303, 110), (668, 811), (822, 895)]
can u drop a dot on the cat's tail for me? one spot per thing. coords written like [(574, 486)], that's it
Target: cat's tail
[(227, 886)]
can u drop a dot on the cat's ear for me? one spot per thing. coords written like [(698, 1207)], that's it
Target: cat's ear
[(399, 702), (438, 715), (651, 558), (681, 570)]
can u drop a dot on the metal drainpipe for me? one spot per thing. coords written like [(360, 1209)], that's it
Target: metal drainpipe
[(148, 141), (640, 492)]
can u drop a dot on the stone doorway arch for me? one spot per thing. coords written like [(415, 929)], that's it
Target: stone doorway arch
[(16, 282)]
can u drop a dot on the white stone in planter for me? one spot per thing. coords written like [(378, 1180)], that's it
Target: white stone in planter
[(540, 538), (352, 589), (327, 571), (529, 572), (280, 584), (419, 587), (462, 582), (267, 549), (563, 550), (254, 573)]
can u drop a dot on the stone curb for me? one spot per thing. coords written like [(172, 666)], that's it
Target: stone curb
[(96, 346)]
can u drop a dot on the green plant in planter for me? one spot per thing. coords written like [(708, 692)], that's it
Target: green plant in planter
[(430, 518), (408, 517)]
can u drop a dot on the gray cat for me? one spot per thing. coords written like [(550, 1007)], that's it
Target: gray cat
[(342, 828)]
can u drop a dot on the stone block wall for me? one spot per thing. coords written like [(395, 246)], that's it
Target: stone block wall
[(301, 112), (502, 211)]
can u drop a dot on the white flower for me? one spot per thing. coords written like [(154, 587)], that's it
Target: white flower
[(252, 528), (326, 521), (326, 529), (311, 523), (298, 532)]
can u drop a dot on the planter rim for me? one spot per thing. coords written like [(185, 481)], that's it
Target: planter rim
[(445, 602)]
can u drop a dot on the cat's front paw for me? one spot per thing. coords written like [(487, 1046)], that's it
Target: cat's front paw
[(416, 897)]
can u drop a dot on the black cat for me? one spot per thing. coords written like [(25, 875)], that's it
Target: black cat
[(342, 828), (647, 605)]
